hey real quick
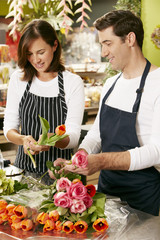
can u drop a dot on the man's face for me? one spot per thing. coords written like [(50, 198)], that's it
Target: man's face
[(114, 49)]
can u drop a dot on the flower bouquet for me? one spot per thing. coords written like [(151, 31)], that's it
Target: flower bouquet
[(67, 205)]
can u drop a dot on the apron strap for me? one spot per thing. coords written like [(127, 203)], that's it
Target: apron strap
[(140, 89), (62, 93), (111, 89)]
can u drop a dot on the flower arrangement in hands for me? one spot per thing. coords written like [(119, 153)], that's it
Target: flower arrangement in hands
[(48, 141)]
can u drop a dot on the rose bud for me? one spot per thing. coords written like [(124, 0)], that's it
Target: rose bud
[(80, 226), (68, 227), (49, 225), (54, 215), (60, 130), (20, 211), (100, 225), (91, 190), (42, 218), (26, 224)]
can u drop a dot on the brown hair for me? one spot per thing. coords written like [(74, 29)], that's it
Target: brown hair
[(123, 22), (32, 31)]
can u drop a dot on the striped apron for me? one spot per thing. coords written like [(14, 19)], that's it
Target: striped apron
[(54, 110)]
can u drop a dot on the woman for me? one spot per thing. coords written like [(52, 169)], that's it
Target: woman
[(42, 87)]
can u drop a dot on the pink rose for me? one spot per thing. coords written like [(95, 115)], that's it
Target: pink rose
[(80, 159), (78, 206), (62, 184), (61, 199), (88, 201), (77, 191)]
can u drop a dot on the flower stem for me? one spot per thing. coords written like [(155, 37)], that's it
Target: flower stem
[(42, 176), (31, 157)]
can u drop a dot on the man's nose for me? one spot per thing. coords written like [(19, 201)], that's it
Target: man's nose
[(104, 52)]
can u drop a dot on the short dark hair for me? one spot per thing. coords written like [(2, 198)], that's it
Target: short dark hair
[(123, 22), (38, 29)]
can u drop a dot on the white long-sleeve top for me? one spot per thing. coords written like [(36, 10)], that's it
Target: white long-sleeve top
[(74, 96), (147, 123)]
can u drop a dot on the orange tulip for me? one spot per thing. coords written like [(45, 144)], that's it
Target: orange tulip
[(20, 211), (58, 226), (16, 226), (3, 205), (100, 225), (68, 227), (76, 180), (13, 219), (60, 130), (49, 225), (54, 215), (3, 217), (26, 224), (91, 189), (80, 226), (9, 209), (42, 217)]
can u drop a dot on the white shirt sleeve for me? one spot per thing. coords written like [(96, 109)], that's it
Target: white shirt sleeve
[(75, 99), (14, 94), (148, 155)]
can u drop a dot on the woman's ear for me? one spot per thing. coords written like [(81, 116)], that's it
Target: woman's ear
[(55, 45), (131, 39)]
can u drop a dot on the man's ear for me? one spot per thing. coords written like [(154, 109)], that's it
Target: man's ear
[(131, 39)]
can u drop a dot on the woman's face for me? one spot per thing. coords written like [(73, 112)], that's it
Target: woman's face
[(40, 54)]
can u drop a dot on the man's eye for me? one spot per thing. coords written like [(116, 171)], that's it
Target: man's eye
[(41, 53)]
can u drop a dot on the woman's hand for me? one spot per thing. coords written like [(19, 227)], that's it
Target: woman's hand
[(29, 143)]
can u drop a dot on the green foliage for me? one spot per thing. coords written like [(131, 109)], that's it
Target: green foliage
[(55, 170), (132, 5), (9, 186)]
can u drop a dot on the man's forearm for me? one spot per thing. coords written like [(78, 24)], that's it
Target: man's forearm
[(111, 160)]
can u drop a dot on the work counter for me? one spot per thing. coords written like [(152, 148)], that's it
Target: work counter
[(125, 223)]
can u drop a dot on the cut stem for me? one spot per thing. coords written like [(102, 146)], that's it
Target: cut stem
[(31, 157)]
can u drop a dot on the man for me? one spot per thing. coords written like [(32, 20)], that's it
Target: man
[(127, 126)]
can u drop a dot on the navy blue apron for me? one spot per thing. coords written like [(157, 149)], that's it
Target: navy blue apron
[(54, 110), (141, 188)]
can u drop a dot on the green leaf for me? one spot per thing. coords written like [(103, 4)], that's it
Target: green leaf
[(45, 128), (18, 186), (74, 216), (62, 211), (49, 164), (94, 217), (72, 176), (91, 209)]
